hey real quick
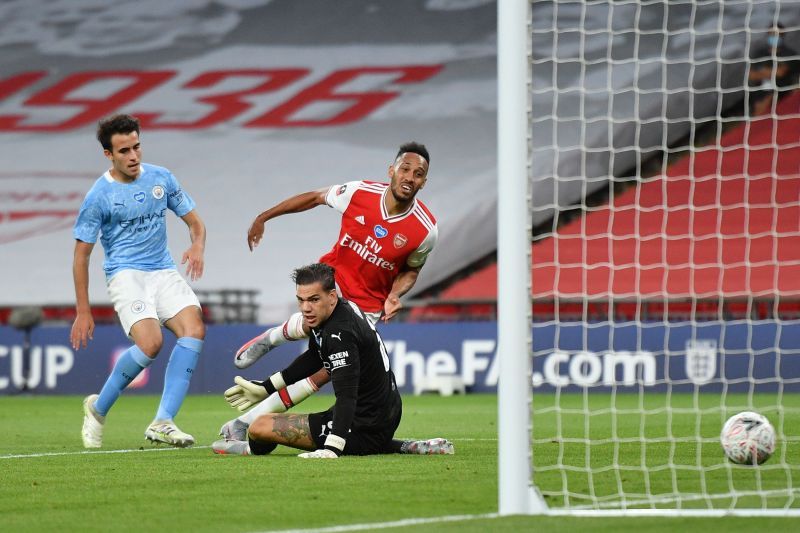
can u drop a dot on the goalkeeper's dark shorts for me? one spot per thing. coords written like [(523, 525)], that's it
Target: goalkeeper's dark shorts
[(359, 441)]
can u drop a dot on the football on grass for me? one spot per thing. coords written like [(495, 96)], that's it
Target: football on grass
[(748, 438)]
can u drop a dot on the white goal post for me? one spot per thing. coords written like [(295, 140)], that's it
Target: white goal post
[(650, 193), (516, 494)]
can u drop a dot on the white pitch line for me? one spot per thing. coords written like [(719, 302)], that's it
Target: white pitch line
[(137, 450), (96, 452), (387, 525)]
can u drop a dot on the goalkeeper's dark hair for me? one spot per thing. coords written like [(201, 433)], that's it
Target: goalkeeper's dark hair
[(317, 272), (414, 148), (110, 126)]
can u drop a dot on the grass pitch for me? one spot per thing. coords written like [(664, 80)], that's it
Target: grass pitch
[(48, 482)]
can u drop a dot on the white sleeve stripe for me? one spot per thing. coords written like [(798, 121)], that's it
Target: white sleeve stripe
[(423, 217), (372, 188), (422, 213)]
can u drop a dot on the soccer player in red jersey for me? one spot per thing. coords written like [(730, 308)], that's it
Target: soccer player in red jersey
[(385, 237)]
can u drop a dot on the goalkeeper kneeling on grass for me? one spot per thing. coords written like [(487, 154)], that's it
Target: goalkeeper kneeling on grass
[(368, 407)]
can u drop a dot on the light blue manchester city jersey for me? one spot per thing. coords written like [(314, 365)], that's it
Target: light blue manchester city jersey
[(130, 218)]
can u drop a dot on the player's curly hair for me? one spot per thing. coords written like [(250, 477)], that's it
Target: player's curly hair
[(107, 127), (317, 272), (414, 148)]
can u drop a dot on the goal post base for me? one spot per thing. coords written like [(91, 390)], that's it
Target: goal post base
[(538, 505), (534, 504)]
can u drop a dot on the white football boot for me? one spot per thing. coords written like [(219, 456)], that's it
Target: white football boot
[(436, 446), (167, 432), (234, 430), (253, 350), (231, 447), (92, 432)]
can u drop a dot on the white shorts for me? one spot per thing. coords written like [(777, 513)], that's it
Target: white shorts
[(373, 317), (160, 294)]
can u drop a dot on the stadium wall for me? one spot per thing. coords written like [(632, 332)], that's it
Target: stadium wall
[(625, 356)]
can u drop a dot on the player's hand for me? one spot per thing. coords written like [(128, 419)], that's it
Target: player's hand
[(255, 233), (193, 259), (391, 306), (319, 454), (245, 394), (82, 330)]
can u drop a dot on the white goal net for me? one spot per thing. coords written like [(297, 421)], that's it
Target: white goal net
[(665, 179)]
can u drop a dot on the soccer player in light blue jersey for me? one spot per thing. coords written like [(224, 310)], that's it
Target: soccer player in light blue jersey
[(128, 206)]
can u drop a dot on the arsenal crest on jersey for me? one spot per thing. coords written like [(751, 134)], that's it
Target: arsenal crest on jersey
[(400, 240)]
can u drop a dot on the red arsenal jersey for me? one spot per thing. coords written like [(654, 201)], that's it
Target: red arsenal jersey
[(373, 247)]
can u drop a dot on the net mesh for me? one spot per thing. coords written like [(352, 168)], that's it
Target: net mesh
[(666, 256)]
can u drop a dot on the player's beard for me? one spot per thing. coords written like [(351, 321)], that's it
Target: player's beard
[(397, 191)]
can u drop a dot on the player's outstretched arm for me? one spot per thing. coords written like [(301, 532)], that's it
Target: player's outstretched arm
[(83, 327), (403, 283), (247, 393), (295, 204), (193, 256)]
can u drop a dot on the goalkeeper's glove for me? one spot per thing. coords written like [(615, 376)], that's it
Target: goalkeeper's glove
[(323, 453), (334, 445), (246, 393)]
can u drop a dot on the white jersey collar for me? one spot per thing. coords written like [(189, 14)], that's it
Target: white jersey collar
[(110, 179), (385, 213)]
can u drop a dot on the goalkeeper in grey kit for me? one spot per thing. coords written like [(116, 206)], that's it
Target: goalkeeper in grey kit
[(368, 407)]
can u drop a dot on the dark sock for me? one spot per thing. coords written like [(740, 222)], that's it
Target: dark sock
[(398, 446), (260, 448)]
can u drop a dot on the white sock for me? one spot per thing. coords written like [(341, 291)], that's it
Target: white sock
[(282, 400), (291, 330)]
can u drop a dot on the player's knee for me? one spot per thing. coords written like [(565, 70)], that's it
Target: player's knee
[(196, 330), (261, 428), (260, 436), (150, 346), (296, 327), (188, 323)]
